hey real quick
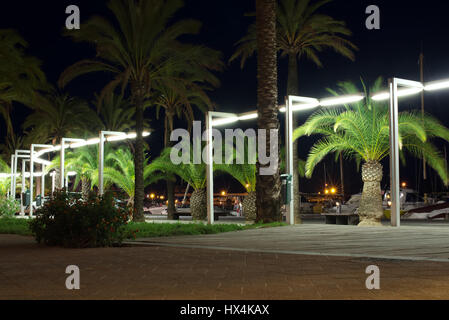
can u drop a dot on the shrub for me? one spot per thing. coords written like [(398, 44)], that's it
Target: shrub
[(8, 207), (77, 223)]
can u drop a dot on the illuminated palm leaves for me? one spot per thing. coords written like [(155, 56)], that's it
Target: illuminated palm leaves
[(361, 131), (301, 31)]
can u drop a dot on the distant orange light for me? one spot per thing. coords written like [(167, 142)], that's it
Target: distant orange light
[(152, 196), (333, 190), (223, 193), (162, 197), (404, 184), (326, 191)]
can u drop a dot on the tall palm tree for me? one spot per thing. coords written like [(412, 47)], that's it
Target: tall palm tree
[(361, 132), (268, 187), (139, 48), (301, 32), (116, 112), (58, 115), (20, 74), (194, 174), (12, 143), (180, 97)]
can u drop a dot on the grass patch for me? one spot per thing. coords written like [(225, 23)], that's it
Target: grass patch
[(15, 226), (146, 230)]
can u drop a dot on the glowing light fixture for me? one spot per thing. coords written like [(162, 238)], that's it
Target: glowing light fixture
[(401, 93), (248, 116), (223, 121), (437, 85)]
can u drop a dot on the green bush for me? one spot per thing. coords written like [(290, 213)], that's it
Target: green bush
[(8, 207), (75, 223)]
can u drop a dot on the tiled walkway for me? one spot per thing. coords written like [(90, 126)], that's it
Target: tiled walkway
[(30, 271)]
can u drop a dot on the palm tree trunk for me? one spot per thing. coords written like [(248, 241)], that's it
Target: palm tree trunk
[(370, 210), (85, 187), (138, 94), (292, 89), (267, 186), (198, 204), (249, 206), (171, 209)]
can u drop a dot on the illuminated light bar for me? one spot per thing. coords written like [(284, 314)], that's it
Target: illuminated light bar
[(117, 137), (93, 141), (340, 100), (385, 95), (71, 173), (78, 144), (248, 116), (146, 134), (131, 135), (437, 85), (223, 121), (42, 161), (27, 175)]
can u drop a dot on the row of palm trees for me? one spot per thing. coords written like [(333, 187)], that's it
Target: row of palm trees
[(119, 171), (149, 66)]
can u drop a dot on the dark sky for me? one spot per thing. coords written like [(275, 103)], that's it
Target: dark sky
[(391, 51)]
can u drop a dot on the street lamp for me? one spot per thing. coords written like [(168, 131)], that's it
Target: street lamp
[(33, 157), (62, 157), (225, 118), (110, 136)]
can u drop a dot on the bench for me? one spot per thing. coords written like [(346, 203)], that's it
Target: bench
[(342, 218)]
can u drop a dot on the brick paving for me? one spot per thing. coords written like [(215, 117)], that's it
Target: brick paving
[(32, 271)]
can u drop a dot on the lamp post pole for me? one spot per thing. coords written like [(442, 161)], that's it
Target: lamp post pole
[(393, 84), (210, 161), (32, 156), (290, 206)]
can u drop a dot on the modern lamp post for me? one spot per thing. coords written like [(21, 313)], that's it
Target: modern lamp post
[(110, 136), (34, 158)]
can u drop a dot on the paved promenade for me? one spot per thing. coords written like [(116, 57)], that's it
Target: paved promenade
[(406, 243), (178, 268)]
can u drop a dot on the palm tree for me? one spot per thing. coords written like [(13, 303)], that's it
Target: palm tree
[(139, 48), (361, 132), (84, 161), (179, 98), (12, 143), (301, 32), (246, 175), (57, 116), (194, 174), (268, 187), (116, 112), (20, 74), (121, 172)]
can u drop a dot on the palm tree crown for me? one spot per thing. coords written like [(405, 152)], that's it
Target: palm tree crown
[(361, 131)]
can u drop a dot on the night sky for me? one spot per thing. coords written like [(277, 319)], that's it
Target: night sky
[(391, 51)]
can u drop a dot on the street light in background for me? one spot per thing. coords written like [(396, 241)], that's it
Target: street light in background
[(109, 136), (34, 156)]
